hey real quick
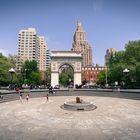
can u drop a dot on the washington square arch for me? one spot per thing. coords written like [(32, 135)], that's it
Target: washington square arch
[(60, 58)]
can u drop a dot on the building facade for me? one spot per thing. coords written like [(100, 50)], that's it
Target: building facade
[(27, 45), (48, 59), (80, 44), (90, 73), (109, 52), (42, 53), (32, 47)]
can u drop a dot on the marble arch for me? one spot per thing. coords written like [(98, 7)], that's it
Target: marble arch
[(59, 58)]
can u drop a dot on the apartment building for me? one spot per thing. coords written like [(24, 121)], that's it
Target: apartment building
[(32, 47)]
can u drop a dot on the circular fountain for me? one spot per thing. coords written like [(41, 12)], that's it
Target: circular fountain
[(78, 105)]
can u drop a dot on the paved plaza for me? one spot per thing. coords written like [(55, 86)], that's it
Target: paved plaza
[(113, 119)]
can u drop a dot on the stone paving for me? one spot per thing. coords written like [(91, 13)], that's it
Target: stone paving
[(113, 119)]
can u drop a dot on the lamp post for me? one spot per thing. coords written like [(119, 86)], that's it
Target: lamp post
[(11, 71), (24, 75), (106, 80), (126, 71)]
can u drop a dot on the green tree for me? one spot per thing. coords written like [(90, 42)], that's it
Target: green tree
[(30, 72), (66, 75), (132, 55), (130, 59), (30, 66), (35, 78), (64, 79), (5, 65), (101, 78)]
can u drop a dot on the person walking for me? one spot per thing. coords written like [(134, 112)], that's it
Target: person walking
[(20, 97), (47, 97), (27, 97), (51, 89)]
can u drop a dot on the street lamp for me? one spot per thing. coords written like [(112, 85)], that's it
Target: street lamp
[(11, 71), (125, 71)]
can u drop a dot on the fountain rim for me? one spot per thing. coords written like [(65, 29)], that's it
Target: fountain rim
[(83, 106)]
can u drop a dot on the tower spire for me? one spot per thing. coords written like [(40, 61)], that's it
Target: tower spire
[(81, 44), (78, 23), (79, 26)]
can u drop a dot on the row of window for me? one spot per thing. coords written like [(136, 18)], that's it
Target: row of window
[(26, 44), (90, 71), (26, 41), (27, 33), (93, 68), (23, 48), (94, 72), (26, 38)]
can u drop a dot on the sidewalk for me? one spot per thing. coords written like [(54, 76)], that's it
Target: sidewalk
[(130, 90), (97, 90)]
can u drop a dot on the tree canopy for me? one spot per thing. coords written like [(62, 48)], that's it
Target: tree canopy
[(130, 59), (30, 72), (5, 65), (66, 75)]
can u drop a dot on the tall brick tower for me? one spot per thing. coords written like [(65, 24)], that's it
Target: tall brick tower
[(81, 44)]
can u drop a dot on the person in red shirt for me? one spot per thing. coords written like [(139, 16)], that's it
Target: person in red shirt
[(17, 90)]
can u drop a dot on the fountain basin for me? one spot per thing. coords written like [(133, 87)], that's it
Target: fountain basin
[(83, 106)]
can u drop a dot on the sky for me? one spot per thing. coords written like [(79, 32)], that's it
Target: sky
[(107, 23)]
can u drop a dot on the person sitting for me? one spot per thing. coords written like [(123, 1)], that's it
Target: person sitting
[(51, 90), (1, 97)]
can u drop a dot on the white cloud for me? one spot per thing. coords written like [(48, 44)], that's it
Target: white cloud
[(4, 52)]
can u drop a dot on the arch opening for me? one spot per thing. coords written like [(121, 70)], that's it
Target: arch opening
[(66, 75)]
